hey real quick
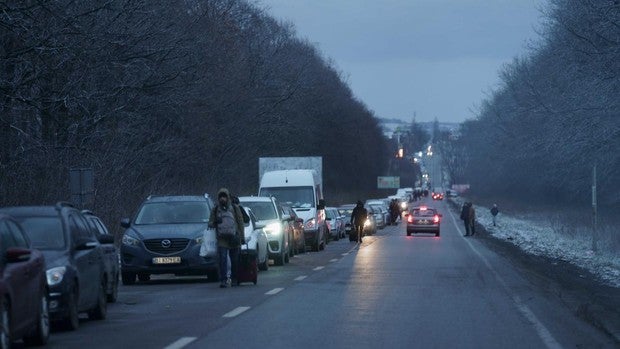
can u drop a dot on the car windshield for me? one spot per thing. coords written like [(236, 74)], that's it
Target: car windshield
[(263, 210), (298, 197), (45, 233), (333, 214), (177, 212)]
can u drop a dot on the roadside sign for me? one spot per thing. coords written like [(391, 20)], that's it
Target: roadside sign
[(385, 182), (82, 185)]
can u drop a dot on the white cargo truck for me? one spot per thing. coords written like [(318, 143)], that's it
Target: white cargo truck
[(297, 182)]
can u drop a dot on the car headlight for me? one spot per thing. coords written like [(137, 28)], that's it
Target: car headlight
[(55, 275), (367, 223), (199, 239), (273, 228), (403, 204), (130, 240)]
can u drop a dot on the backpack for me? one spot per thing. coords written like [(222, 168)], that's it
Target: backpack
[(228, 226)]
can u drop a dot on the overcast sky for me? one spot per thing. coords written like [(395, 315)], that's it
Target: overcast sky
[(439, 58)]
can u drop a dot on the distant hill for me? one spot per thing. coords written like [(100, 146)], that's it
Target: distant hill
[(389, 126)]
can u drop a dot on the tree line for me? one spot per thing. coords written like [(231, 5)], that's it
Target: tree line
[(169, 96), (555, 116)]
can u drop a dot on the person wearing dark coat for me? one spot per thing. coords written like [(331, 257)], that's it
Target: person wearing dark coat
[(494, 212), (358, 218), (465, 216)]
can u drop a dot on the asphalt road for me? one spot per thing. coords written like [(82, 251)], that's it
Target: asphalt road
[(393, 291)]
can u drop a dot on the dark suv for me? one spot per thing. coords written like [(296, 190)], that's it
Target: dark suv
[(73, 259), (165, 238)]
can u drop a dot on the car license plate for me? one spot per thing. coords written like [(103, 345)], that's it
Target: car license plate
[(166, 260), (424, 221)]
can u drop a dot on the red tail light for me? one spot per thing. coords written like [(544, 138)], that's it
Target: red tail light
[(436, 219), (410, 219)]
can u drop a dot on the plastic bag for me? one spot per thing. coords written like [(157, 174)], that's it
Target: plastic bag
[(209, 243)]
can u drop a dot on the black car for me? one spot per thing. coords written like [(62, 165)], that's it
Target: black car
[(110, 254), (74, 264), (165, 238)]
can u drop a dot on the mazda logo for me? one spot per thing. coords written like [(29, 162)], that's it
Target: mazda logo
[(166, 243)]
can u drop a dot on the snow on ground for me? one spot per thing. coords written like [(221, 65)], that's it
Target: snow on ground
[(540, 238)]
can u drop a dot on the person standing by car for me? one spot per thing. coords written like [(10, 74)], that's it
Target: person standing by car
[(358, 217), (227, 219), (465, 218), (494, 212)]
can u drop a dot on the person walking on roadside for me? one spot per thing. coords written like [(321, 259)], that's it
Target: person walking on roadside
[(358, 217), (227, 219), (465, 218), (472, 219), (494, 212)]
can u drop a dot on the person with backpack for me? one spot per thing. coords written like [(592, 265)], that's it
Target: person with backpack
[(494, 212), (358, 218), (227, 219)]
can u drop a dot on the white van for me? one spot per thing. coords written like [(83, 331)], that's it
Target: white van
[(302, 190)]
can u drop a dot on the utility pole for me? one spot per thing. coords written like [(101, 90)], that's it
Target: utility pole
[(594, 218)]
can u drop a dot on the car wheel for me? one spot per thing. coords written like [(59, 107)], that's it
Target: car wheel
[(5, 324), (287, 257), (41, 333), (71, 321), (113, 295), (128, 278), (100, 310), (303, 245), (337, 236), (316, 247), (144, 277), (437, 234), (264, 266), (213, 275), (279, 259), (408, 233)]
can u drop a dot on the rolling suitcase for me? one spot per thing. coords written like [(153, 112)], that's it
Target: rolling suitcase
[(247, 268)]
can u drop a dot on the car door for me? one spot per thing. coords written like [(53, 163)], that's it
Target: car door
[(110, 254), (85, 256), (19, 278)]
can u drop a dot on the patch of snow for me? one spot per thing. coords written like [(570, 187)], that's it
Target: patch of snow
[(540, 238)]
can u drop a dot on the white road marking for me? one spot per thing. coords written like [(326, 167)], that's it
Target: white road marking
[(274, 291), (542, 331), (182, 342), (318, 268), (345, 254), (334, 260), (299, 278), (237, 311)]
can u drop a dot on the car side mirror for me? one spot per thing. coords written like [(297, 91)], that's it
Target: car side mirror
[(16, 255), (106, 239), (125, 222)]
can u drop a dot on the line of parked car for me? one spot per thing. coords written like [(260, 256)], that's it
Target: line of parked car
[(58, 261)]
